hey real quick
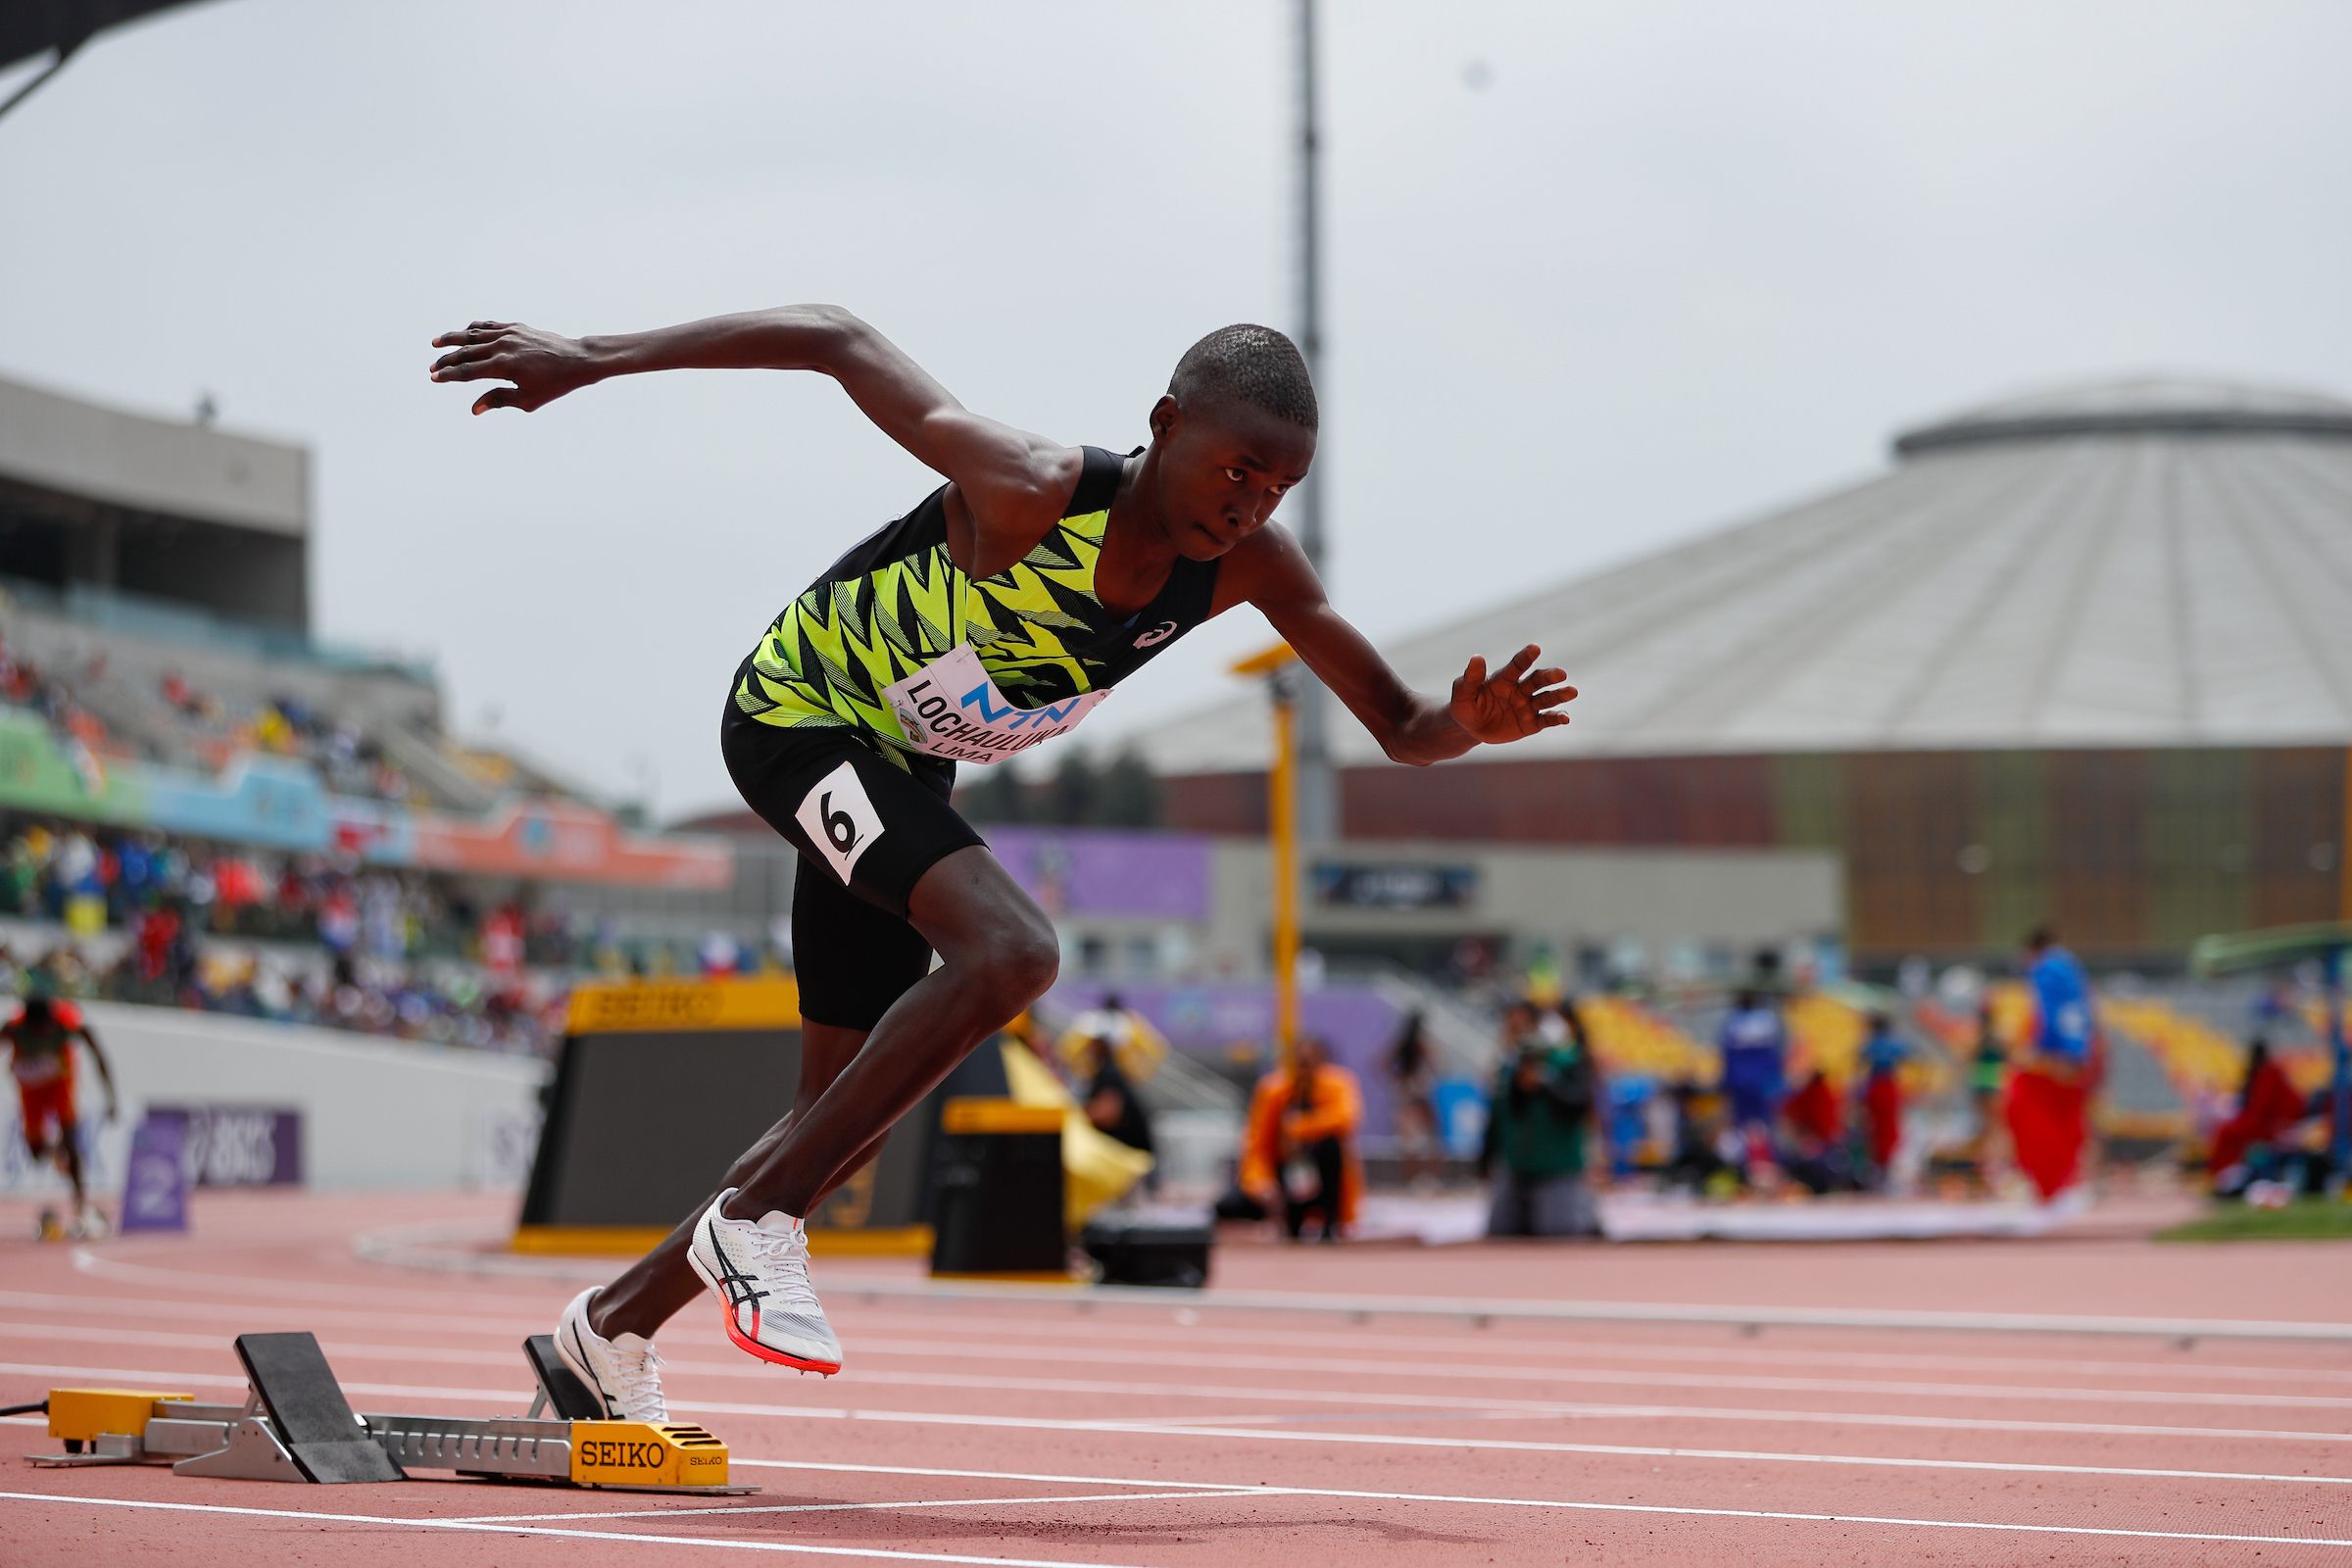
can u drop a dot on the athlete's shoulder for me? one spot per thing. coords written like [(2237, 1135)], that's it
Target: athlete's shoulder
[(1093, 477), (1272, 558)]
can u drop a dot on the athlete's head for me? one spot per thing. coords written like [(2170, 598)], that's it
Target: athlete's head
[(1234, 430)]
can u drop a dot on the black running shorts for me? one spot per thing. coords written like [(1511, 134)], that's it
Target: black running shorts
[(868, 829)]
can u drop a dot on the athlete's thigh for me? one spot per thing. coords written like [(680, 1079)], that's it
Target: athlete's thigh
[(865, 823), (868, 828), (853, 960)]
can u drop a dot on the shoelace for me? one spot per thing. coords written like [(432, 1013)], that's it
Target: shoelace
[(784, 1264), (640, 1377)]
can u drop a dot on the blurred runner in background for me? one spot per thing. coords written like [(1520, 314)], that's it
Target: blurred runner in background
[(40, 1039)]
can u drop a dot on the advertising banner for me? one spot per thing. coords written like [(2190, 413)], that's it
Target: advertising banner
[(1393, 885), (281, 803), (561, 840), (155, 1186), (1102, 871), (39, 773), (240, 1146)]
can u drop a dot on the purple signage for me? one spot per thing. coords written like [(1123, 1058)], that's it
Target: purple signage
[(155, 1185), (241, 1145), (1108, 871)]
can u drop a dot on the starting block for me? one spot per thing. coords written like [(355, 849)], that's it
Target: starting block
[(296, 1425)]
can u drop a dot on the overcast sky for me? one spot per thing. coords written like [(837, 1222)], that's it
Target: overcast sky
[(1599, 278)]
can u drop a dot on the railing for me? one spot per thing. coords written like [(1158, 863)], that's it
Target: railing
[(159, 621)]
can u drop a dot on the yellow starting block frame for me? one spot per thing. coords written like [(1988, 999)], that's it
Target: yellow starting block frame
[(242, 1441)]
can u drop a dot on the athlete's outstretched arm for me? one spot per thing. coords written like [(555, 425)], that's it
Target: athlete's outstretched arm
[(106, 1072), (1268, 569), (1009, 485)]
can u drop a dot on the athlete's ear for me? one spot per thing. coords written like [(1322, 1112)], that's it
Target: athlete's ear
[(1164, 415)]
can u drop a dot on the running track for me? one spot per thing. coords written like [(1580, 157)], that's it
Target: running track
[(1044, 1432)]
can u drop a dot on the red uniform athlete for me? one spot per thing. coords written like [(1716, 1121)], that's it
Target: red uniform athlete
[(40, 1039)]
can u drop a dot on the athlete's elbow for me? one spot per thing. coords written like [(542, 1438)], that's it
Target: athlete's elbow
[(821, 337), (1398, 746)]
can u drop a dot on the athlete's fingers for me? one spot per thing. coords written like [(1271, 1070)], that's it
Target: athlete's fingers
[(501, 397), (466, 355), (1474, 674), (485, 369), (1536, 679), (1551, 721), (478, 332), (1554, 697), (1520, 662)]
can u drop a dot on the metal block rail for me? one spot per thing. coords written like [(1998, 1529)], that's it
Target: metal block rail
[(295, 1425)]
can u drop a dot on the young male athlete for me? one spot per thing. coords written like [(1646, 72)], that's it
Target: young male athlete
[(40, 1042), (995, 614)]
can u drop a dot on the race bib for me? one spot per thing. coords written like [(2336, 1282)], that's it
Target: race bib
[(32, 1071), (950, 708)]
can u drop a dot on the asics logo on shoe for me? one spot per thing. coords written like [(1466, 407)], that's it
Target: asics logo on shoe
[(740, 1287)]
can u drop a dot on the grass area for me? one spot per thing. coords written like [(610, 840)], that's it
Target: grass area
[(2307, 1219)]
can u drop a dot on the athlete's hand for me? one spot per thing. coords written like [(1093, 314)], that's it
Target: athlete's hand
[(542, 365), (1513, 703)]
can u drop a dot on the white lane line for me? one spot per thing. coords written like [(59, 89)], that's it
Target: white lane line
[(1188, 1429), (1606, 1450), (244, 1311), (691, 1512), (1649, 1509), (1506, 1309), (469, 1527), (1534, 1445), (1393, 1370), (1352, 1400), (86, 1262), (991, 1335), (1156, 1339), (1517, 1375)]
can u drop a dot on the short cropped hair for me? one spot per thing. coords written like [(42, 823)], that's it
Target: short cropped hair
[(1253, 365)]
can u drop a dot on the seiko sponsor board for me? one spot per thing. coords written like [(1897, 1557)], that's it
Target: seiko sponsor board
[(952, 709)]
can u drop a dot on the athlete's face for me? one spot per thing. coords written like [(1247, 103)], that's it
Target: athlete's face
[(1223, 469)]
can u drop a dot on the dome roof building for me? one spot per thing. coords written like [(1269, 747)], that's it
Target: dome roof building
[(2098, 635)]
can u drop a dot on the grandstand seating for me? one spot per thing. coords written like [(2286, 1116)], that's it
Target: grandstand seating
[(1630, 1037), (165, 684)]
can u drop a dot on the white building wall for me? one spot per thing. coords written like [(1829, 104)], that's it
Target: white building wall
[(375, 1114)]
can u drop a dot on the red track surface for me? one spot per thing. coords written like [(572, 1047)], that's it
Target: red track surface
[(1041, 1432)]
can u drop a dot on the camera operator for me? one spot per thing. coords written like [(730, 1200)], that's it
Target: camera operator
[(1536, 1137)]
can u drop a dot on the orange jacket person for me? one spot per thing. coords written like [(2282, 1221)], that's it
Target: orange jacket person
[(1300, 1150)]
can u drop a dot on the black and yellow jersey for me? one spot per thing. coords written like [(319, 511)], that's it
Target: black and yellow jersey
[(879, 642)]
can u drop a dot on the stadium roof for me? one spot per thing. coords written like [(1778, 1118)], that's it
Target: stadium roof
[(77, 448), (28, 28), (2146, 562)]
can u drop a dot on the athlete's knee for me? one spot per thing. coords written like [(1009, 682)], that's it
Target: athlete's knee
[(1016, 961)]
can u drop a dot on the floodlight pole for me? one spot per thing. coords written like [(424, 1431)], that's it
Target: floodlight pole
[(1284, 686), (1318, 792), (1285, 679)]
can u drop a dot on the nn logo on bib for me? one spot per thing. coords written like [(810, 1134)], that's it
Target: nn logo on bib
[(952, 709)]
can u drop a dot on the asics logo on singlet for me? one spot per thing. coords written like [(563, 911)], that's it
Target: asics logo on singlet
[(1157, 634)]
